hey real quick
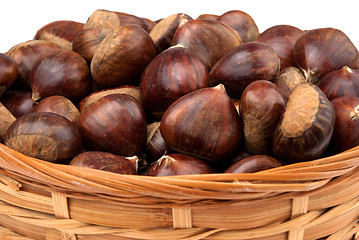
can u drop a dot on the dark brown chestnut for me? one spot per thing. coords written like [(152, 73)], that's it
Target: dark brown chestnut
[(156, 145), (6, 119), (170, 75), (45, 136), (60, 72), (306, 126), (122, 56), (87, 41), (115, 123), (282, 39), (59, 105), (346, 128), (162, 33), (289, 78), (255, 163), (209, 40), (242, 23), (132, 91), (245, 64), (338, 83), (178, 164), (261, 106), (320, 51), (8, 72), (61, 32), (105, 161), (102, 18), (18, 102), (25, 55), (204, 124)]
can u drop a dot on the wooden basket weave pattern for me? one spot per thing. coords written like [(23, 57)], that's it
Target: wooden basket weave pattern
[(310, 200)]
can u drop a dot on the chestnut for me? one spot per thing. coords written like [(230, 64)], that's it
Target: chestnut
[(320, 51), (289, 78), (111, 20), (203, 123), (282, 39), (341, 82), (208, 16), (170, 75), (86, 41), (252, 164), (115, 123), (261, 106), (46, 136), (60, 72), (209, 40), (18, 102), (306, 125), (8, 72), (346, 128), (122, 56), (105, 161), (59, 105), (162, 33), (242, 23), (132, 91), (245, 64), (179, 164), (156, 145), (25, 55), (6, 119), (60, 32)]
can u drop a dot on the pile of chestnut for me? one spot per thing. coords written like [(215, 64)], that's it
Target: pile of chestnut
[(179, 95)]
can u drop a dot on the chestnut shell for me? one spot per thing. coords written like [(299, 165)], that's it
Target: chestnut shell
[(46, 136), (253, 164), (8, 72), (204, 124), (306, 125)]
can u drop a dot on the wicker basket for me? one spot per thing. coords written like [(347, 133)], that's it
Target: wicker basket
[(311, 200)]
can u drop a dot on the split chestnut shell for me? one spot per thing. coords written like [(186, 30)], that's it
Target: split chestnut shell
[(204, 124)]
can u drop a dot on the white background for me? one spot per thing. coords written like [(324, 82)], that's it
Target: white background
[(19, 20)]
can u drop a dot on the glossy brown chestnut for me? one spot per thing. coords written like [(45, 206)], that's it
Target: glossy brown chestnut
[(59, 105), (6, 119), (245, 64), (18, 102), (242, 23), (282, 39), (105, 161), (261, 106), (132, 91), (25, 55), (156, 145), (178, 164), (45, 136), (122, 56), (60, 32), (162, 33), (255, 163), (87, 41), (346, 128), (204, 124), (209, 40), (60, 72), (289, 78), (208, 16), (8, 72), (115, 123), (338, 83), (320, 51), (170, 75), (102, 18), (305, 127)]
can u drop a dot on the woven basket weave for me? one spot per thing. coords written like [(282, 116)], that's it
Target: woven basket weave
[(318, 199)]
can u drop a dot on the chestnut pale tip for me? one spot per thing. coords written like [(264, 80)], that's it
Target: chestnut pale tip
[(348, 69), (220, 87), (35, 97), (134, 160), (182, 21)]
